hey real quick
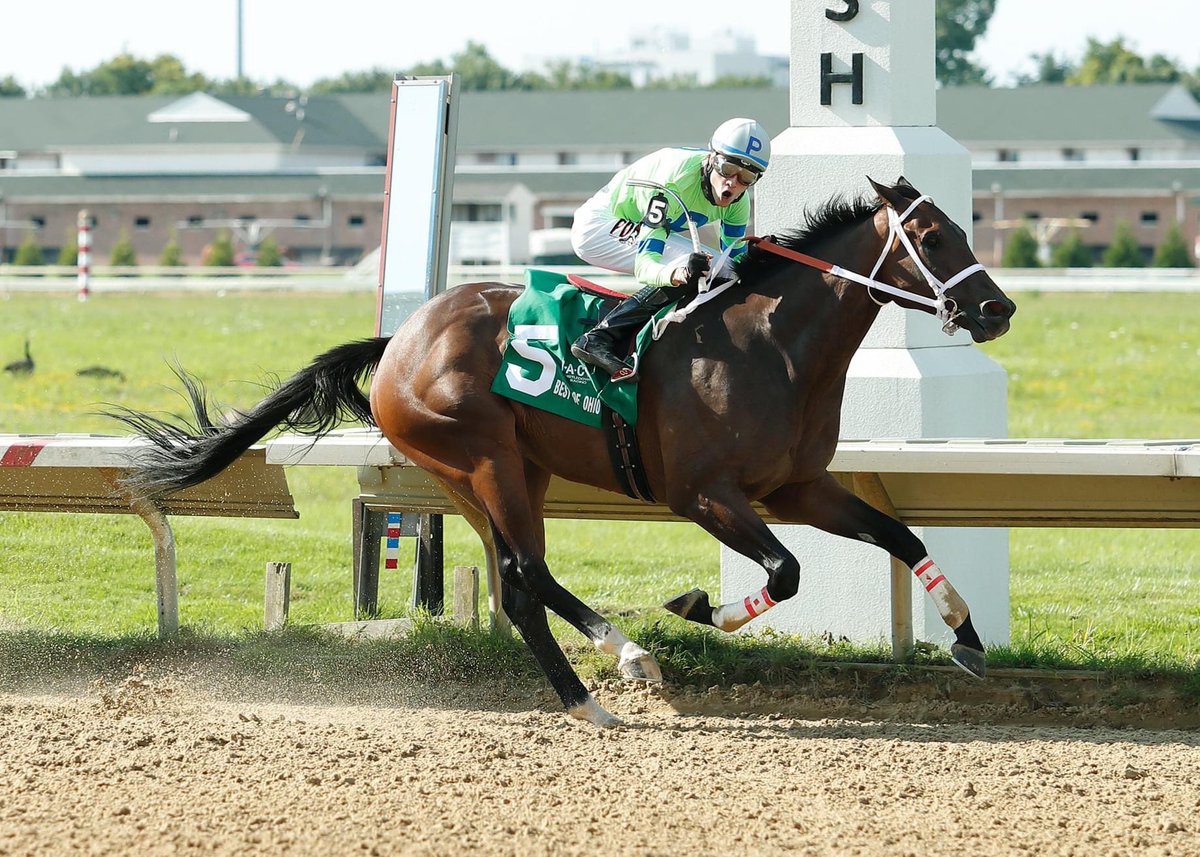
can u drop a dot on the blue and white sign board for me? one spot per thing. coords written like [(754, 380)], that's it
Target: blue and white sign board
[(416, 216)]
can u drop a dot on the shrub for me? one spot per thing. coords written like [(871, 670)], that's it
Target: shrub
[(1071, 253), (172, 254), (1021, 250), (30, 252), (1124, 251), (123, 255), (268, 254), (68, 254), (219, 254), (1173, 251)]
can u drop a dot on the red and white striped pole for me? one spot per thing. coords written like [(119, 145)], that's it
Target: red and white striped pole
[(85, 254)]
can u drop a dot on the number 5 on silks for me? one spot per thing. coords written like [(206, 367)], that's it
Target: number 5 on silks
[(656, 212), (540, 383)]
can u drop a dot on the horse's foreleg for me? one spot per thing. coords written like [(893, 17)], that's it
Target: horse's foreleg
[(825, 504), (733, 521)]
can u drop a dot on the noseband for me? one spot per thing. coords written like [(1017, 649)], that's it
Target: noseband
[(942, 305)]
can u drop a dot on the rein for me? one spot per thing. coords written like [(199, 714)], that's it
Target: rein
[(942, 305)]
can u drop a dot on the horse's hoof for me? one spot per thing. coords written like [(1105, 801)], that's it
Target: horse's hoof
[(693, 606), (592, 712), (971, 660), (641, 667)]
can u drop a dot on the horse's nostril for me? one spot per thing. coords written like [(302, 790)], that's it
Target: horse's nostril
[(995, 309)]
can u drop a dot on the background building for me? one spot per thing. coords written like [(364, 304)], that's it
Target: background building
[(310, 171)]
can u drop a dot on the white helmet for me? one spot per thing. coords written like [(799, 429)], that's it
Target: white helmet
[(744, 141)]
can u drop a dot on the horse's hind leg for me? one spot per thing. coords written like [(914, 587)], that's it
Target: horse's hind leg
[(825, 504)]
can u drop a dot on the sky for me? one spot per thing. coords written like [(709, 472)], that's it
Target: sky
[(302, 40)]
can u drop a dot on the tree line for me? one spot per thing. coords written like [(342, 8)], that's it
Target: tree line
[(959, 26)]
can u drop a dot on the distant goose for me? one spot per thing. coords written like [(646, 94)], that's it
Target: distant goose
[(21, 367), (100, 372)]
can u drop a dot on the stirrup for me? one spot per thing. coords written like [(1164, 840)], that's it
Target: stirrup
[(617, 368)]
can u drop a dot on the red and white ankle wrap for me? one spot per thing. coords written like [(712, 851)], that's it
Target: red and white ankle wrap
[(949, 603), (730, 617), (928, 573)]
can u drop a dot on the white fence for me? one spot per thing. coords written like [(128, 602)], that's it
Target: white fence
[(150, 279)]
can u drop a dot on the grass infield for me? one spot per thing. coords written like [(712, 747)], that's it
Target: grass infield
[(1080, 365)]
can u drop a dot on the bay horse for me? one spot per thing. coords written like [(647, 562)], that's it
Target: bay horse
[(738, 402)]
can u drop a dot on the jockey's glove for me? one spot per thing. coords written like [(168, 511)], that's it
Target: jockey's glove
[(697, 266)]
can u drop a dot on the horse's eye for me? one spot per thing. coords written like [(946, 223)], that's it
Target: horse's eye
[(931, 239)]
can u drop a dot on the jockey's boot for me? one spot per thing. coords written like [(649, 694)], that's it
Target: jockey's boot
[(601, 345)]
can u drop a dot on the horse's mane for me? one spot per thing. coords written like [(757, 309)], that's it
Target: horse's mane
[(830, 217)]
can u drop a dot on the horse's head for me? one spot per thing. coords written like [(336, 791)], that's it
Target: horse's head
[(925, 251)]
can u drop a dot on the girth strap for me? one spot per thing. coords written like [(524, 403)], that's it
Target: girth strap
[(625, 456)]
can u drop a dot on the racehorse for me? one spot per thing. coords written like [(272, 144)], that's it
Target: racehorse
[(738, 402)]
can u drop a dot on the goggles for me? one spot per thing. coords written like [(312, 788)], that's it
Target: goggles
[(732, 169)]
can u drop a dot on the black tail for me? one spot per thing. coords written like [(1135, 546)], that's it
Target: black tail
[(315, 400)]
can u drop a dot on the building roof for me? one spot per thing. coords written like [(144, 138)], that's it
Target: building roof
[(58, 124), (633, 121), (1056, 115)]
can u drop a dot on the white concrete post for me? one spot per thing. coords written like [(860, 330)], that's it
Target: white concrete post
[(862, 103)]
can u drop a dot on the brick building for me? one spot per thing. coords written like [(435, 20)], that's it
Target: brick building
[(309, 171)]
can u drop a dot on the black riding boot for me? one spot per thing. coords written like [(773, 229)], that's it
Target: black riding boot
[(600, 346)]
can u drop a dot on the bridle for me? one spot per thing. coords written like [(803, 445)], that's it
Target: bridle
[(943, 306)]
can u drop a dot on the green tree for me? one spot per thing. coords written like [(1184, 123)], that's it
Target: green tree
[(1071, 253), (476, 69), (1114, 62), (126, 74), (1048, 69), (1020, 251), (960, 23), (373, 80), (123, 255), (172, 254), (219, 254), (1173, 251), (1124, 251), (268, 254), (732, 81), (30, 252), (563, 74), (9, 88), (68, 254)]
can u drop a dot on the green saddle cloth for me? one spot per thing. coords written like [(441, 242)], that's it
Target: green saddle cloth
[(538, 368)]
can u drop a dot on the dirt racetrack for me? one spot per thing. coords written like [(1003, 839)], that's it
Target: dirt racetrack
[(160, 765)]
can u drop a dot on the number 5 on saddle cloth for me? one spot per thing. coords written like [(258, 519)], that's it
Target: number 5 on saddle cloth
[(538, 368)]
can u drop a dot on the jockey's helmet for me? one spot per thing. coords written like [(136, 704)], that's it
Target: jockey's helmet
[(743, 141)]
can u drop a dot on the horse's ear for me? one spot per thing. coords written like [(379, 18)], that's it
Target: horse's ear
[(888, 195), (902, 182)]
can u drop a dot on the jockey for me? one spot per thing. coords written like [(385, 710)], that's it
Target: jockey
[(642, 231)]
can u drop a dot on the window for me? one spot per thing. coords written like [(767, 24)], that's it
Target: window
[(1032, 215), (567, 159), (302, 218), (476, 212), (1072, 154), (1149, 218), (1135, 154), (1091, 216), (1008, 156), (141, 222), (976, 217), (355, 221), (38, 222), (195, 220)]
